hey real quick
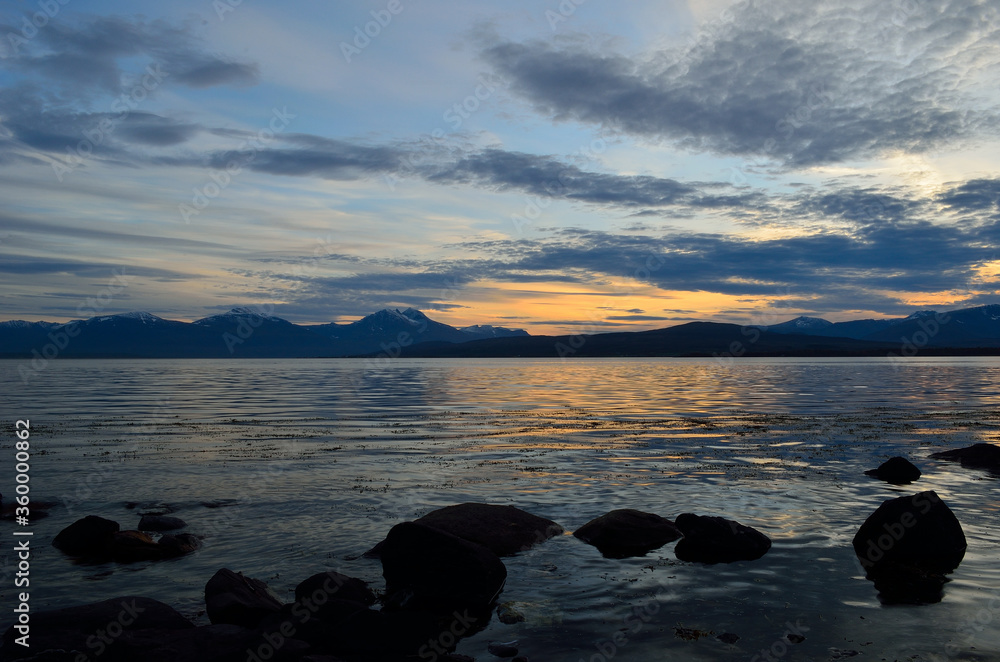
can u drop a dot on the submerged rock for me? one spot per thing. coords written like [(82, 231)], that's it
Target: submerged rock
[(895, 470), (90, 536), (234, 599), (718, 540), (180, 544), (627, 532), (428, 569), (74, 628), (502, 649), (130, 546), (508, 613), (504, 530), (977, 456), (908, 545), (160, 523)]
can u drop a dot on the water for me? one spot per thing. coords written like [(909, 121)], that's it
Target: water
[(291, 467)]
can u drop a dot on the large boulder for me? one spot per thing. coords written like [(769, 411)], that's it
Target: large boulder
[(91, 537), (908, 545), (977, 456), (896, 470), (429, 569), (504, 530), (75, 628), (386, 635), (234, 599), (718, 540), (331, 585), (331, 597), (627, 532)]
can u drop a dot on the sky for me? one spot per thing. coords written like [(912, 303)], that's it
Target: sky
[(554, 166)]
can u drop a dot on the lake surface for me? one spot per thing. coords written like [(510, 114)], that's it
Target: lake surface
[(292, 467)]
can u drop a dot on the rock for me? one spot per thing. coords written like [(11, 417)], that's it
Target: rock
[(623, 533), (130, 546), (237, 600), (425, 568), (690, 634), (977, 456), (210, 643), (907, 546), (509, 614), (160, 523), (389, 635), (180, 544), (508, 649), (331, 585), (895, 470), (72, 628), (504, 530), (91, 537), (728, 638), (717, 540)]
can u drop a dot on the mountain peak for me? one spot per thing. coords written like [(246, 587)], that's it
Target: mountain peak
[(247, 310), (804, 322), (413, 314), (140, 315), (238, 312)]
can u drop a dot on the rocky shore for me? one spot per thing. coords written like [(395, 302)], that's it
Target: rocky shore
[(444, 574)]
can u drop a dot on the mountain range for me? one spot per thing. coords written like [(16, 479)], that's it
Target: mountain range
[(251, 333), (241, 332)]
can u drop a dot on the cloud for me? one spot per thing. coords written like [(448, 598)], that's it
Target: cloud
[(974, 195), (32, 266), (208, 72), (150, 129), (805, 84), (90, 55), (875, 261), (493, 169)]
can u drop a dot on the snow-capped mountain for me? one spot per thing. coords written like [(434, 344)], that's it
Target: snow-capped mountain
[(480, 331), (240, 332), (803, 324), (967, 327)]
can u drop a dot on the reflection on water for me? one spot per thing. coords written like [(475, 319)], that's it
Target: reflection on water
[(292, 467)]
